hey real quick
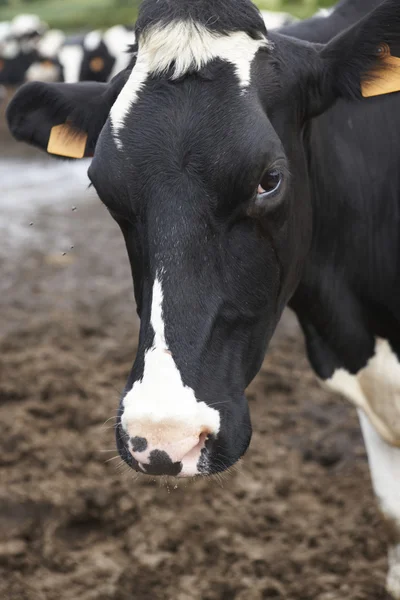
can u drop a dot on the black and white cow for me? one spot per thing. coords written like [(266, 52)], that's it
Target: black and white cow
[(98, 56), (18, 47), (247, 171), (45, 65)]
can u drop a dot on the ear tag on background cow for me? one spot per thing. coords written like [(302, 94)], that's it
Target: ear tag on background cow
[(66, 141), (387, 79), (96, 64)]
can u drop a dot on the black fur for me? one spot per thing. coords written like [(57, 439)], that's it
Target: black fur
[(222, 16), (321, 29)]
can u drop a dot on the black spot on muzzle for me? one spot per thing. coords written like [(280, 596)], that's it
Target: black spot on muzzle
[(161, 464), (139, 444)]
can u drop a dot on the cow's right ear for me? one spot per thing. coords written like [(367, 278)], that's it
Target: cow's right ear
[(64, 119)]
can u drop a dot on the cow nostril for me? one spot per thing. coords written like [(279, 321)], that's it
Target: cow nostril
[(139, 444)]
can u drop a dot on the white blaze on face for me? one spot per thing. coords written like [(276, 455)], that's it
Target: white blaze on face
[(70, 58), (160, 407), (189, 46)]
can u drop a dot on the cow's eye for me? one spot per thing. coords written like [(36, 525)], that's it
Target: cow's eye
[(270, 192), (270, 183)]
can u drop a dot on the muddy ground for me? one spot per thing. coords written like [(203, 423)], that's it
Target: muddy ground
[(297, 519)]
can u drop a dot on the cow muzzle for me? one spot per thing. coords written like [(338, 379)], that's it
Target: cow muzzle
[(168, 449)]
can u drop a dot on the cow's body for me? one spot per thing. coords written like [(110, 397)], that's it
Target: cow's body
[(214, 257)]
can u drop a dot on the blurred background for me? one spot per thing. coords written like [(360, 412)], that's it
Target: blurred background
[(76, 14), (292, 522)]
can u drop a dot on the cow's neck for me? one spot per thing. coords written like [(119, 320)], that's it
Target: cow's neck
[(347, 294)]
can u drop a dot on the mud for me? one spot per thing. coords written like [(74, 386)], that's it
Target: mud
[(296, 520)]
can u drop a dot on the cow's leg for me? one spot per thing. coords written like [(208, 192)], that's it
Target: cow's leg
[(375, 390), (384, 462)]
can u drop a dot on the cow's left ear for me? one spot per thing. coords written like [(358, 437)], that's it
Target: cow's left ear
[(61, 118), (362, 61)]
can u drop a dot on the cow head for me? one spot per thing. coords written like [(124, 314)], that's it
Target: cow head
[(201, 162)]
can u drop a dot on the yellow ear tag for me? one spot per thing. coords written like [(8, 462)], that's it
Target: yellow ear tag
[(387, 79), (96, 64), (66, 141)]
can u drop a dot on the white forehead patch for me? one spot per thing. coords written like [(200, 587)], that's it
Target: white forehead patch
[(92, 40), (161, 396), (188, 46), (70, 58)]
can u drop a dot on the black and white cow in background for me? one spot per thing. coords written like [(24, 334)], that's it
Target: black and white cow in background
[(98, 56), (247, 172), (18, 47)]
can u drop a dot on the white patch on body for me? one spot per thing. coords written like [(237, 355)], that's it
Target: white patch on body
[(189, 46), (92, 40), (274, 20), (384, 463), (27, 24), (159, 407), (375, 389), (325, 12), (5, 29), (10, 49), (118, 39), (41, 72), (70, 58), (50, 44)]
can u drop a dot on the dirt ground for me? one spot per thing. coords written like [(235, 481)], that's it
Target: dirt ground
[(296, 520)]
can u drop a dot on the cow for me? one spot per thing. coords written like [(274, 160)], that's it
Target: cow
[(18, 47), (98, 56), (248, 171), (46, 65)]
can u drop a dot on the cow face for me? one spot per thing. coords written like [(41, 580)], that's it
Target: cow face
[(201, 161)]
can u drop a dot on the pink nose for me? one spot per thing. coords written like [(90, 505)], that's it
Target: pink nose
[(168, 458)]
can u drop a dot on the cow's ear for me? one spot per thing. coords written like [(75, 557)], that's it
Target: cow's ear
[(61, 118), (363, 60)]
